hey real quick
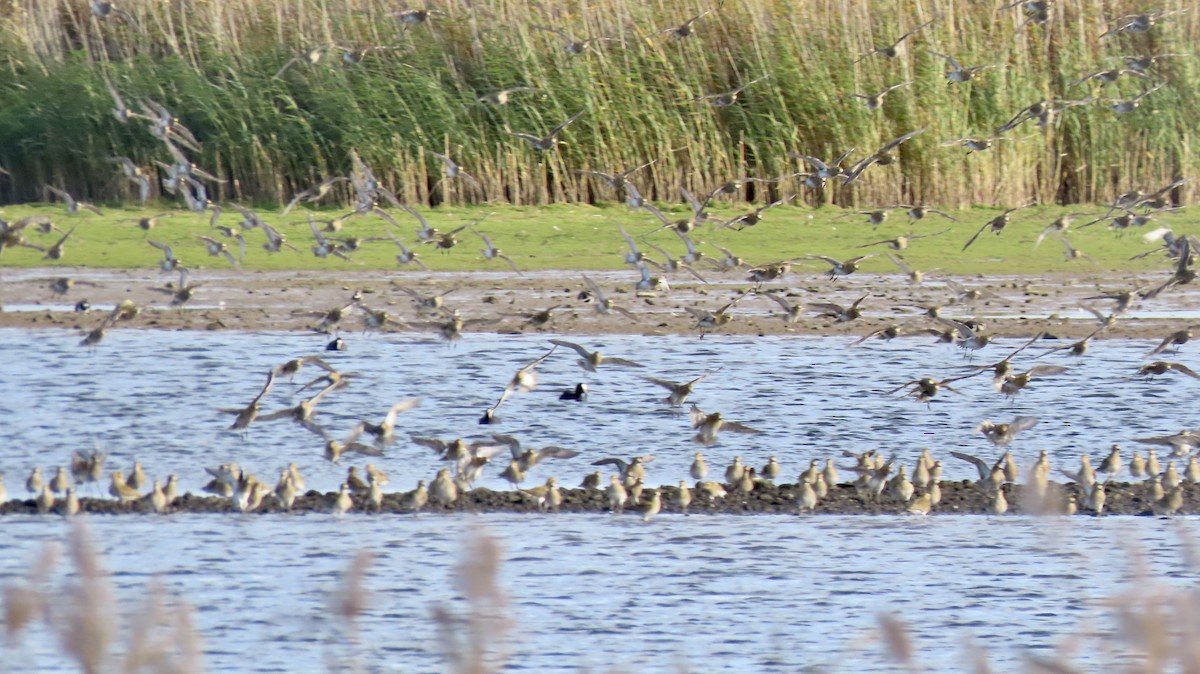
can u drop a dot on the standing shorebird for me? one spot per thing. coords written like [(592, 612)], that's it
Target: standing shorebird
[(699, 469), (652, 506), (617, 495), (342, 504)]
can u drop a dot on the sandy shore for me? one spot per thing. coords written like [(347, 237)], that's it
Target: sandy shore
[(958, 498), (294, 301)]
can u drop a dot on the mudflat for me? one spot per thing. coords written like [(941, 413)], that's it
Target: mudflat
[(1056, 303)]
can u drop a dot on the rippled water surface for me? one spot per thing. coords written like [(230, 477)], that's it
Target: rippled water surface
[(766, 593), (721, 593), (155, 395)]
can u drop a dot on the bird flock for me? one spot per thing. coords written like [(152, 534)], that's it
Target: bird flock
[(765, 286), (883, 484)]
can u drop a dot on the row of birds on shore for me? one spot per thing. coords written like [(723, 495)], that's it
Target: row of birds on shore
[(368, 197), (874, 482)]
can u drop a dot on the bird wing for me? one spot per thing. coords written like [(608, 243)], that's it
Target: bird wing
[(360, 448), (558, 129), (629, 363), (787, 306), (836, 263), (170, 255), (657, 213), (619, 463), (816, 163), (976, 236), (867, 336), (1046, 370), (1027, 345), (669, 385), (697, 207), (402, 406), (556, 31), (599, 297), (321, 394), (571, 345), (1022, 423), (316, 360), (512, 444), (826, 306), (1180, 367), (738, 427), (432, 443), (524, 136), (266, 388), (628, 239), (554, 452), (893, 143), (487, 452), (902, 386), (984, 469), (963, 328)]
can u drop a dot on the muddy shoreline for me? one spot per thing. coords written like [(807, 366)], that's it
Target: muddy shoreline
[(510, 304), (958, 498)]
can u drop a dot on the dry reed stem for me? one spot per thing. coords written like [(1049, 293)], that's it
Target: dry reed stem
[(477, 643), (213, 64), (84, 616)]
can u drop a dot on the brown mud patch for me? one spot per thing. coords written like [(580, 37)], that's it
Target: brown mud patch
[(284, 301)]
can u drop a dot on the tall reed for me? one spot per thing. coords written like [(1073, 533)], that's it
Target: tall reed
[(214, 64)]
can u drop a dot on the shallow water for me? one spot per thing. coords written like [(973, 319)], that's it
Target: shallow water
[(720, 593), (155, 395), (589, 592)]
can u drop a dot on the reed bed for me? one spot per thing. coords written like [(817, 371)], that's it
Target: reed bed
[(214, 64)]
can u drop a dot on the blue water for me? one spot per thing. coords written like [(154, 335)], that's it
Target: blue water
[(597, 592)]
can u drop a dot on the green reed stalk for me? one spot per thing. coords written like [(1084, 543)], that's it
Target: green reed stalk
[(214, 65)]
